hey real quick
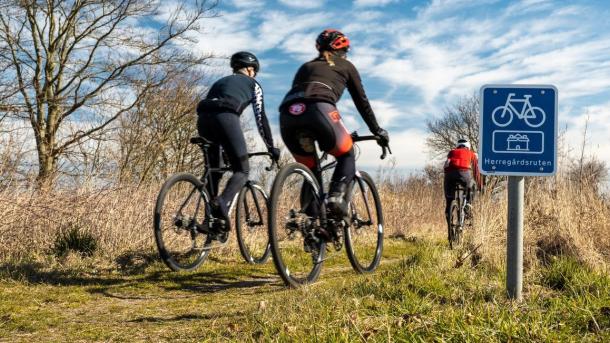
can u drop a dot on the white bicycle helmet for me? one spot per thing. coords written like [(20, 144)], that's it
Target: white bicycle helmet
[(462, 142)]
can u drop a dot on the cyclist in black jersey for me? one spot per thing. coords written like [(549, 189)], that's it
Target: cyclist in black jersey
[(218, 121), (308, 112)]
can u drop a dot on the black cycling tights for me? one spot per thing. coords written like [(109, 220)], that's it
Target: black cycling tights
[(303, 123), (224, 129)]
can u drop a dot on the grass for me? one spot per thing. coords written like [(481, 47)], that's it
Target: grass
[(416, 295), (122, 292)]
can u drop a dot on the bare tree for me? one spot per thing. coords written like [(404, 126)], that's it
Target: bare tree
[(587, 171), (154, 136), (76, 62), (460, 120)]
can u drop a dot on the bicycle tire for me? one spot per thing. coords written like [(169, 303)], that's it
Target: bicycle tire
[(540, 118), (504, 109), (364, 256), (294, 267), (453, 217), (192, 257), (250, 223), (455, 232)]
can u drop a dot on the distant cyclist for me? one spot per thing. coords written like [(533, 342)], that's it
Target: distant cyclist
[(219, 122), (461, 167), (308, 112)]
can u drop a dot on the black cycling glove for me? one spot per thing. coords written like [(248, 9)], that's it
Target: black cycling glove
[(384, 137)]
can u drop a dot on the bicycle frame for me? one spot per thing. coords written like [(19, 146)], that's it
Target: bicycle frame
[(206, 178), (527, 107), (319, 169)]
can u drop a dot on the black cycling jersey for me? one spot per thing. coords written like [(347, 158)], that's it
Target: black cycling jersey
[(317, 80), (234, 93)]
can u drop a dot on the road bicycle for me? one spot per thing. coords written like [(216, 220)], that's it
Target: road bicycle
[(186, 231), (459, 216), (503, 115), (300, 227)]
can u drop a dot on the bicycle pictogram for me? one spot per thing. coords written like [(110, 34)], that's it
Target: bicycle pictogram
[(503, 115)]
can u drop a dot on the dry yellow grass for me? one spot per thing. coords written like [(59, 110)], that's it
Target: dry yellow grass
[(560, 218)]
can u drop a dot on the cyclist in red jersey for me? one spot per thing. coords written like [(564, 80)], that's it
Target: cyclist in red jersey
[(461, 166)]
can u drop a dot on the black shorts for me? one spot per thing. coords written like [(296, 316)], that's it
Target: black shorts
[(303, 123), (452, 178)]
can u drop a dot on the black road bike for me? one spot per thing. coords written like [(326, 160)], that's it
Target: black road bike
[(459, 219), (186, 231), (300, 227)]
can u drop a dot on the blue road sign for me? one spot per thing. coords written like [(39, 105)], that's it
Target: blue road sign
[(518, 130)]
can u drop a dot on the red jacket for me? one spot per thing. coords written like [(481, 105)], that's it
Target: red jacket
[(463, 159)]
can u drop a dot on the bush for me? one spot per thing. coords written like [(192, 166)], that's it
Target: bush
[(74, 238)]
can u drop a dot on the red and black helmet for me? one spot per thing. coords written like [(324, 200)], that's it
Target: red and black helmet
[(332, 40)]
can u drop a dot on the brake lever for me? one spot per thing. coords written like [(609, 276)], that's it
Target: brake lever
[(273, 163), (386, 149)]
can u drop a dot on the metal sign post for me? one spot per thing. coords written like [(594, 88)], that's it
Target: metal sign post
[(517, 138), (514, 241)]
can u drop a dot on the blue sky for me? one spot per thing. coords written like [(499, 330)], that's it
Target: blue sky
[(418, 57)]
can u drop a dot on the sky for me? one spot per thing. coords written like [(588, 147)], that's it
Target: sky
[(416, 58)]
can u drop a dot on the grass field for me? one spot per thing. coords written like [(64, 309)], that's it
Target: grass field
[(416, 295), (421, 292)]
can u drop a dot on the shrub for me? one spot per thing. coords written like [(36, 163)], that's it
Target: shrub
[(74, 238)]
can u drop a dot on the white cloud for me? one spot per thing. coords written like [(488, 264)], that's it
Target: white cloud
[(301, 46), (227, 34), (408, 150), (386, 112), (372, 3), (596, 119), (248, 3), (279, 26), (309, 4), (444, 7)]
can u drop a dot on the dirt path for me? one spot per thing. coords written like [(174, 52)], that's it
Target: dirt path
[(156, 304)]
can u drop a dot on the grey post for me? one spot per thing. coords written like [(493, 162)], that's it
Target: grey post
[(514, 242)]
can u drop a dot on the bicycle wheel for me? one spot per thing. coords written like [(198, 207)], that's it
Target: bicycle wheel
[(455, 230), (364, 235), (502, 116), (536, 118), (181, 206), (294, 208), (251, 224)]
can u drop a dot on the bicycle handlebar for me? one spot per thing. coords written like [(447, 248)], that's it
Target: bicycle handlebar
[(385, 148)]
